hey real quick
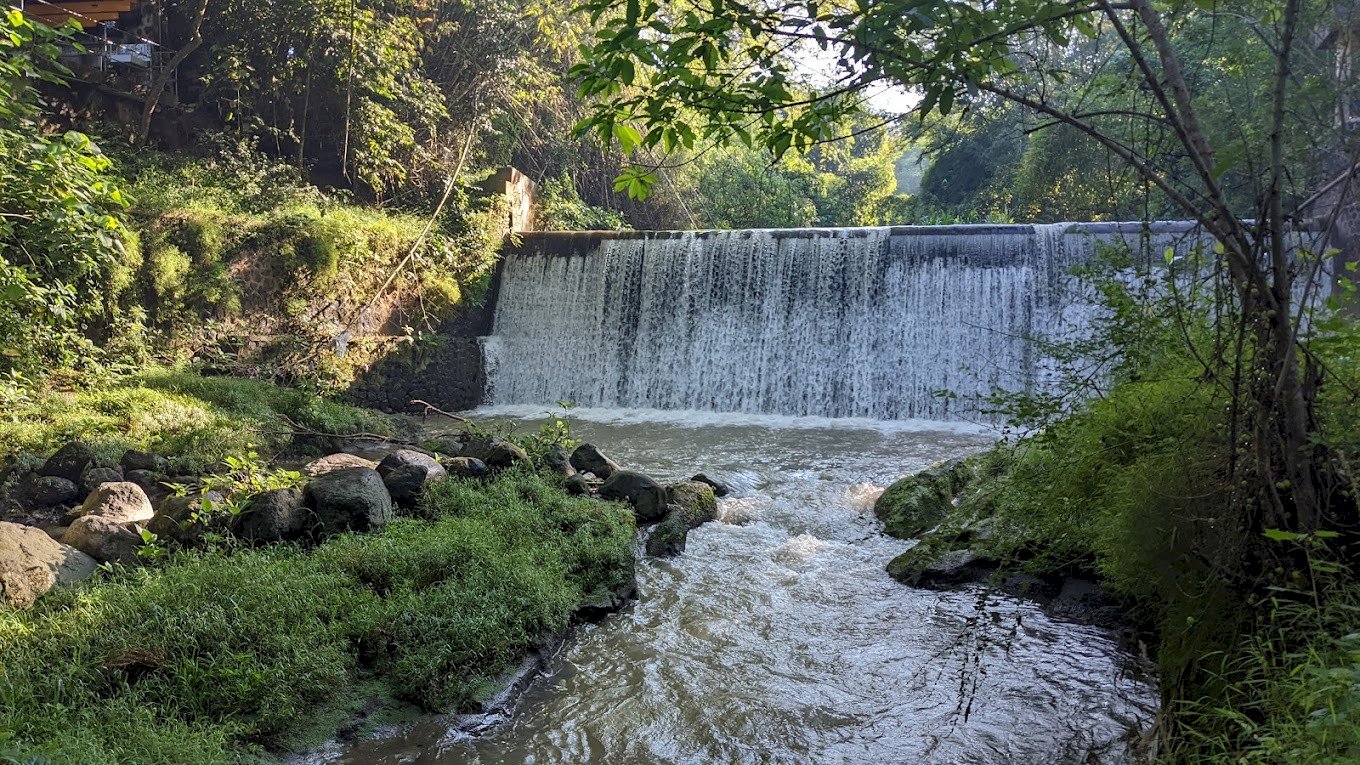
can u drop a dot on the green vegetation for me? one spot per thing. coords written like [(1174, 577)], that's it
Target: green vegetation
[(210, 656), (198, 419)]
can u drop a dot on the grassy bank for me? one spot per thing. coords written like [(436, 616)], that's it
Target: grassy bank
[(221, 655), (197, 419), (1259, 651)]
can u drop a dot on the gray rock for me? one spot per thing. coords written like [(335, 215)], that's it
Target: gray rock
[(668, 537), (720, 489), (558, 462), (466, 467), (56, 532), (352, 499), (94, 477), (103, 539), (644, 494), (333, 462), (187, 518), (120, 501), (32, 563), (408, 482), (148, 480), (137, 460), (69, 462), (577, 485), (954, 568), (50, 490), (498, 453), (1084, 601), (589, 459), (272, 516), (404, 457), (695, 499)]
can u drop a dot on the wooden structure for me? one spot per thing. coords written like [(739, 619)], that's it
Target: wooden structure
[(89, 13)]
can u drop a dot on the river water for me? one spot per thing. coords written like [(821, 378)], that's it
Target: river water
[(778, 638)]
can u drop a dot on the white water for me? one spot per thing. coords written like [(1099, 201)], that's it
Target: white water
[(838, 323)]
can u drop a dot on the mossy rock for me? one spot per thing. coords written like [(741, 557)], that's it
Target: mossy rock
[(917, 503), (696, 500)]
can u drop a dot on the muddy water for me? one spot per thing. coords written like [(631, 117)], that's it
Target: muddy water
[(777, 637)]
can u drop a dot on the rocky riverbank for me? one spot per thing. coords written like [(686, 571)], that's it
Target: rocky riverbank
[(964, 538), (163, 606)]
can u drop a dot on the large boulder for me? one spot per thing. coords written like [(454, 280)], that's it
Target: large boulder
[(103, 539), (917, 503), (466, 467), (668, 537), (646, 496), (589, 459), (187, 518), (48, 490), (333, 462), (405, 458), (68, 462), (272, 516), (138, 460), (352, 499), (406, 483), (31, 563), (94, 477), (119, 501), (696, 500)]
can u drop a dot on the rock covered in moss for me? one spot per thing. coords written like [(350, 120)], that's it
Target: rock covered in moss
[(646, 496), (119, 501), (915, 504), (696, 500), (668, 537), (351, 499), (32, 563), (104, 539), (587, 458)]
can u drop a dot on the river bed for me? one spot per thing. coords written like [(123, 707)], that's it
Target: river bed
[(778, 638)]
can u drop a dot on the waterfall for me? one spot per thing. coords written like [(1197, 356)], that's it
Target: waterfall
[(881, 323)]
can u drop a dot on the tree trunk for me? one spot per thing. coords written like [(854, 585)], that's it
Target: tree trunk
[(153, 96)]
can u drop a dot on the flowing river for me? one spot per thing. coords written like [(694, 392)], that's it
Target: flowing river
[(778, 638)]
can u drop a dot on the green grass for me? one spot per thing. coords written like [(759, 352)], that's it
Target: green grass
[(214, 656), (196, 419)]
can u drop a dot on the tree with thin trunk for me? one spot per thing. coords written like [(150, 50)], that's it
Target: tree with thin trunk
[(153, 95)]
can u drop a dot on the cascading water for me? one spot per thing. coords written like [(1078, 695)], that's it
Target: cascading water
[(870, 323)]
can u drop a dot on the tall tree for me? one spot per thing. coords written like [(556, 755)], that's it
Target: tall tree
[(733, 64)]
